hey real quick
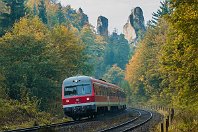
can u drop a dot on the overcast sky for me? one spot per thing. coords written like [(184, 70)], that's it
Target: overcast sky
[(117, 11)]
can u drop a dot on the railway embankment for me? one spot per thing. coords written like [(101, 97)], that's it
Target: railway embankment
[(143, 119)]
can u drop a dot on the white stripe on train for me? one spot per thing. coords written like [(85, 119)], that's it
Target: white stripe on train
[(95, 103)]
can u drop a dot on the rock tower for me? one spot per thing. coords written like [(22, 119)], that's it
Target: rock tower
[(102, 26), (134, 27)]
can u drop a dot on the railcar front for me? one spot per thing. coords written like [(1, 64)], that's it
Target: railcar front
[(78, 97)]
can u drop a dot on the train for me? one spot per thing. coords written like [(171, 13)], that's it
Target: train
[(84, 96)]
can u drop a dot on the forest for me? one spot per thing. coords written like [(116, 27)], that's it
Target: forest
[(43, 42)]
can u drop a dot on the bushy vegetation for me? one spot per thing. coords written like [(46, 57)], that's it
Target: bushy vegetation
[(21, 114)]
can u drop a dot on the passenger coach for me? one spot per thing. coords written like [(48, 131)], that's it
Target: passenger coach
[(84, 96)]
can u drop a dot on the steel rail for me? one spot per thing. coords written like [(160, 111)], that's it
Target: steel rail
[(130, 121), (140, 124), (37, 128), (122, 124), (46, 126)]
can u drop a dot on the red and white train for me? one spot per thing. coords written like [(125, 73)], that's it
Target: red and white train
[(84, 96)]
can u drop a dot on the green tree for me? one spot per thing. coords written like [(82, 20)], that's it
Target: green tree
[(25, 62), (15, 10), (60, 14), (94, 48), (164, 10), (114, 75), (35, 60), (143, 72), (42, 11), (70, 51), (35, 9), (179, 58), (117, 51), (179, 63), (127, 89)]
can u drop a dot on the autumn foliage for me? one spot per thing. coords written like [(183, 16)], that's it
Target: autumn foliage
[(164, 68)]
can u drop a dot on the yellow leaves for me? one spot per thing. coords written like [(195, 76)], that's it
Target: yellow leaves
[(133, 69), (62, 37), (2, 78), (100, 39), (49, 6), (187, 12), (32, 27)]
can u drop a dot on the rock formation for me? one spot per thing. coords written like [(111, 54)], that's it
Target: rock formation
[(134, 28), (83, 17), (102, 26)]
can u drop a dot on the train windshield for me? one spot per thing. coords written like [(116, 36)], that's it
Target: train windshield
[(78, 90)]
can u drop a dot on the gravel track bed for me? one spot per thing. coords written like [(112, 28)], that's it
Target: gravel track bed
[(144, 116), (102, 122), (151, 125)]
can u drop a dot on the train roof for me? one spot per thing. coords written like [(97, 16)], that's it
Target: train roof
[(78, 77), (88, 78)]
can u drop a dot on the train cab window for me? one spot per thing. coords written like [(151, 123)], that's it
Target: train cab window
[(87, 89), (77, 90), (84, 89), (70, 91)]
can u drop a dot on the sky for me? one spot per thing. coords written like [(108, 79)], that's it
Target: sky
[(117, 11)]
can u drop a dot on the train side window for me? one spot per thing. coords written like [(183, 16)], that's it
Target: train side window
[(114, 93), (111, 93), (101, 91), (97, 90), (107, 89)]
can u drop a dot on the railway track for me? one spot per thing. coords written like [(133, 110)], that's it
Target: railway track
[(61, 125), (142, 118), (48, 127)]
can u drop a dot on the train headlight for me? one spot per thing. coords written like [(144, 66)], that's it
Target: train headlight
[(88, 98), (75, 81), (67, 101)]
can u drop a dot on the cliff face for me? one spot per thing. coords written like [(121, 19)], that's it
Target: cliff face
[(134, 28), (129, 32), (102, 26)]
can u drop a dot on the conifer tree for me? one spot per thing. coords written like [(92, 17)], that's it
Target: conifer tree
[(60, 14), (42, 11), (35, 9), (17, 10), (164, 9), (117, 51)]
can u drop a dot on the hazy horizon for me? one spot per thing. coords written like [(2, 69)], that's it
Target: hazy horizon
[(117, 11)]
